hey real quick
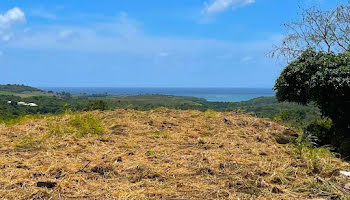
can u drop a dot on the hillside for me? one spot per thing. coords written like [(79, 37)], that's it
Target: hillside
[(21, 90), (18, 88), (162, 154)]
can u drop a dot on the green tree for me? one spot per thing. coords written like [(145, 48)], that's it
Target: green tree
[(322, 78), (97, 105)]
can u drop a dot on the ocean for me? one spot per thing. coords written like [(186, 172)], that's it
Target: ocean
[(210, 94)]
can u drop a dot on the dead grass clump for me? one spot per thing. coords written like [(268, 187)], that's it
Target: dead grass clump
[(105, 171), (118, 130), (140, 173), (249, 189), (206, 171), (161, 135)]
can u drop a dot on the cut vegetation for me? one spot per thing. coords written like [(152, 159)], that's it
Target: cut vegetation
[(163, 154)]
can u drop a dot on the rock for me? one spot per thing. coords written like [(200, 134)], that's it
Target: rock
[(47, 184)]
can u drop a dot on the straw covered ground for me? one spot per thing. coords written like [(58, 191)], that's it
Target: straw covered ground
[(162, 154)]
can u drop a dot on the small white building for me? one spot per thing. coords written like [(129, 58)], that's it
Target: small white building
[(21, 103)]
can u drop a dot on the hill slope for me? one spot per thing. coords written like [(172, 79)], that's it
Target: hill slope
[(21, 90), (18, 88), (162, 153)]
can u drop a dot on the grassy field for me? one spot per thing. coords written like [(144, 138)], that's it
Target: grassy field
[(26, 94), (6, 93), (162, 154)]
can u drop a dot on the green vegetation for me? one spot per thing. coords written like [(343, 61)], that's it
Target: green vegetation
[(97, 105), (316, 46), (292, 114), (78, 125), (14, 88), (324, 79), (267, 107)]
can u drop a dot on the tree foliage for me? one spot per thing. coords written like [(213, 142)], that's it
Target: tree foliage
[(15, 88), (97, 105), (323, 78)]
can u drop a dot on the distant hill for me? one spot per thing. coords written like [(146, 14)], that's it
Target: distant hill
[(15, 88)]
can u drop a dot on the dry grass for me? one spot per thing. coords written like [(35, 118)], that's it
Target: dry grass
[(161, 154)]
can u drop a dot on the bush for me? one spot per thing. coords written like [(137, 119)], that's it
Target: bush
[(210, 114), (78, 125), (317, 160), (323, 131), (96, 105), (322, 78)]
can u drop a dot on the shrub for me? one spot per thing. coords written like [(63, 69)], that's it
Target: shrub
[(317, 160), (322, 78), (96, 105), (78, 125), (323, 131), (86, 125), (210, 113)]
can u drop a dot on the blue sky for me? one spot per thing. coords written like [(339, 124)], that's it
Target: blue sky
[(153, 43)]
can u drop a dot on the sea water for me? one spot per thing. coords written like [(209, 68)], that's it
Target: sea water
[(210, 94)]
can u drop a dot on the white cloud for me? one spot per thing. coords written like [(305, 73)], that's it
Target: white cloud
[(126, 37), (246, 59), (68, 34), (217, 6), (7, 20), (11, 17)]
